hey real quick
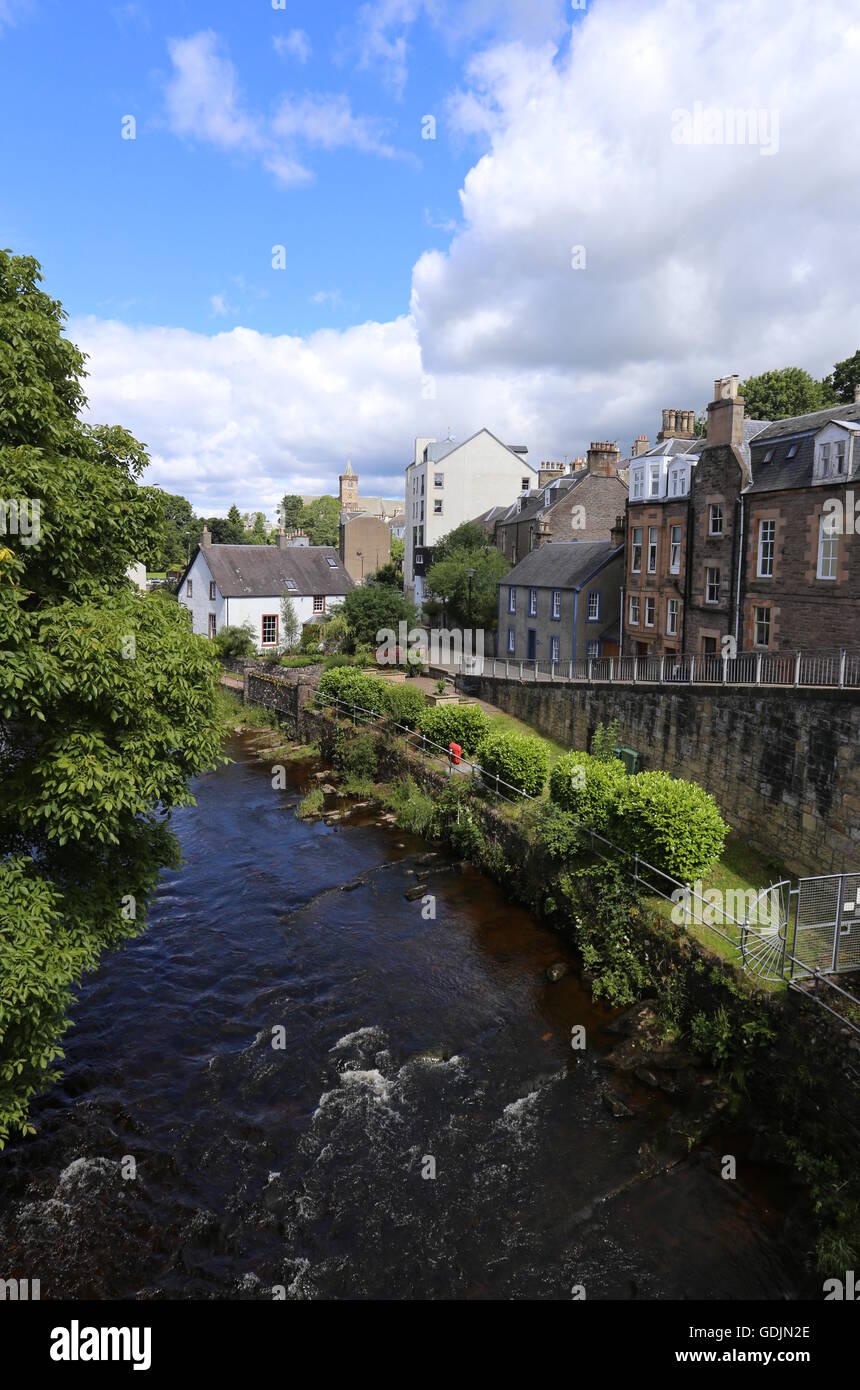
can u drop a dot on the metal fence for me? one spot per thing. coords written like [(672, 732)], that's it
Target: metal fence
[(763, 935), (836, 670)]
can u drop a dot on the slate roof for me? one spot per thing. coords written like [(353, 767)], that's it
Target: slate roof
[(562, 564), (782, 472), (262, 571)]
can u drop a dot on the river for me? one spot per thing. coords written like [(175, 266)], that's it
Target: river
[(183, 1155)]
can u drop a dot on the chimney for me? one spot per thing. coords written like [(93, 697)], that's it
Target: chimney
[(616, 535), (640, 445), (549, 471), (542, 533), (726, 413), (857, 394), (603, 458), (577, 464), (678, 424), (282, 539), (205, 538)]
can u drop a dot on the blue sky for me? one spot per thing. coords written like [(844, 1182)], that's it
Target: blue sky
[(559, 264), (152, 229)]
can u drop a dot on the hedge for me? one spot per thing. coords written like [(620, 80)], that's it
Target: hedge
[(588, 787), (404, 704), (674, 824), (463, 724), (521, 760)]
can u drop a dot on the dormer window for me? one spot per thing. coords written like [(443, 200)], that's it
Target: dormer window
[(637, 478), (654, 489), (768, 456), (678, 484), (792, 451)]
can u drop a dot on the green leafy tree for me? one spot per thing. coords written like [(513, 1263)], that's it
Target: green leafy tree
[(789, 391), (467, 536), (181, 530), (107, 700), (448, 580), (321, 520), (290, 510), (372, 607), (845, 378), (291, 628)]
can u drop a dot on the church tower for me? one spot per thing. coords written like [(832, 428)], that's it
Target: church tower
[(349, 490)]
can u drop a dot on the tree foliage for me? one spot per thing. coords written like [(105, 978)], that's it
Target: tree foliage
[(107, 700), (788, 391)]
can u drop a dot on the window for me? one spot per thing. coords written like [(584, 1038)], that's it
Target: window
[(649, 612), (525, 484), (512, 644), (712, 586), (672, 618), (839, 458), (828, 549), (762, 627), (291, 585), (419, 557), (592, 614), (532, 603), (512, 600), (678, 485), (634, 610), (652, 549), (556, 603), (270, 630), (438, 479), (189, 589), (422, 484), (675, 550), (654, 486), (824, 460), (319, 603), (715, 520), (636, 550), (592, 649), (638, 480), (212, 624), (554, 648), (768, 456), (766, 541), (790, 453), (212, 590), (437, 506), (332, 562)]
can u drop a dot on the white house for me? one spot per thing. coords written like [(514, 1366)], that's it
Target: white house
[(229, 585), (449, 483)]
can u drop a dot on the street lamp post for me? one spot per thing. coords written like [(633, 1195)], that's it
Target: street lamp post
[(470, 573)]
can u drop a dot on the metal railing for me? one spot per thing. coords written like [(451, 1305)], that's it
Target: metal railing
[(764, 951), (836, 670)]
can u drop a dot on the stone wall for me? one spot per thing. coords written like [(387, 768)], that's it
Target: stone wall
[(283, 690), (784, 766)]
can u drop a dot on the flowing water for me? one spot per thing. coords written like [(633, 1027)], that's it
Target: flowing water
[(408, 1044)]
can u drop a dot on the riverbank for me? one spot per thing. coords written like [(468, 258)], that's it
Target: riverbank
[(702, 1035)]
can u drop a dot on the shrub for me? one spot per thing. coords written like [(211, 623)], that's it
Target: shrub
[(588, 787), (604, 742), (463, 724), (354, 688), (405, 703), (521, 760), (235, 643), (357, 756), (675, 825)]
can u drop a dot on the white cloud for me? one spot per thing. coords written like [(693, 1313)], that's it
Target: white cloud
[(295, 44), (204, 101), (327, 122), (700, 260)]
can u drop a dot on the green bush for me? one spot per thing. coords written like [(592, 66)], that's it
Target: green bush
[(463, 724), (521, 760), (235, 643), (675, 825), (588, 787), (605, 741), (406, 704), (357, 757), (354, 688)]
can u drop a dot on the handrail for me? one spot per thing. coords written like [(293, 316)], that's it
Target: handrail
[(833, 670), (625, 855)]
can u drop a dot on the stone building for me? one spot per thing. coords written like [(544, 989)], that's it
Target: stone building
[(365, 544), (581, 504), (562, 602)]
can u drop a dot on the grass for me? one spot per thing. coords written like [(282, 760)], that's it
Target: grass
[(312, 805)]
